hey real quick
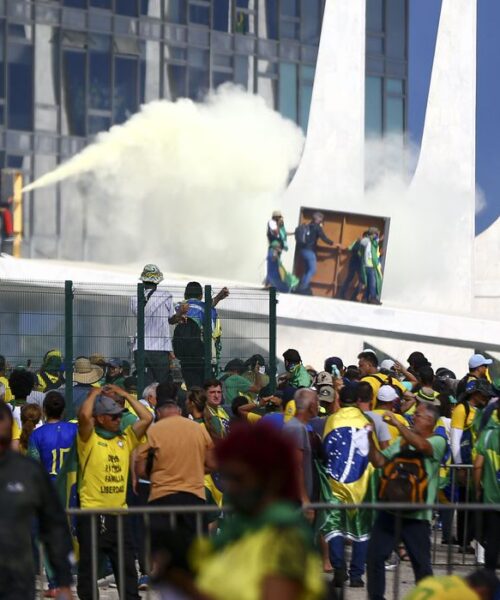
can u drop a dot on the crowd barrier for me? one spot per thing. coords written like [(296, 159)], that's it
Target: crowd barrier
[(446, 559), (82, 319)]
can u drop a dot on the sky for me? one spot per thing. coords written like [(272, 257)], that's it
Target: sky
[(423, 24)]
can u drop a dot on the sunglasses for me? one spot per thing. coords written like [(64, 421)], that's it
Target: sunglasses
[(115, 417)]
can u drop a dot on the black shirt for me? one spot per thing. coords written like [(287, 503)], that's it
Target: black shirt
[(315, 232), (26, 494)]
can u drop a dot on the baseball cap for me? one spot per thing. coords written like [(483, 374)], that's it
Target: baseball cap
[(387, 393), (387, 364), (326, 393), (479, 386), (104, 405), (114, 362), (277, 214), (478, 360), (151, 274), (324, 378)]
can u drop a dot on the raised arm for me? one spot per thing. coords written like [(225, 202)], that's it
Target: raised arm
[(224, 293), (145, 418), (414, 439), (86, 415)]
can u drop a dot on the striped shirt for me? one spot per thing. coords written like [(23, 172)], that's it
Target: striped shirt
[(158, 310)]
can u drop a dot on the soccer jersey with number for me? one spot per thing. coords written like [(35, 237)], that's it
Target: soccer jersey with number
[(104, 467), (50, 444)]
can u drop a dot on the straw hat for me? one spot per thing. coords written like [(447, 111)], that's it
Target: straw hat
[(85, 372)]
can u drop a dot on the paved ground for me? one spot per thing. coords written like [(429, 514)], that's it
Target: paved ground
[(405, 579)]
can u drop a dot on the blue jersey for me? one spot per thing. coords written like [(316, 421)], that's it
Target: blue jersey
[(50, 443)]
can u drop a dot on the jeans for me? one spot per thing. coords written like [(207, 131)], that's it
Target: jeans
[(416, 536), (371, 284), (310, 265), (358, 556), (106, 545)]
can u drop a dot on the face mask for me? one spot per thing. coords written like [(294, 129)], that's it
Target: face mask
[(291, 367), (245, 502), (262, 370)]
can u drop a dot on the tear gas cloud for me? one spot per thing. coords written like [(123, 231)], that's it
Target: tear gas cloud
[(188, 185)]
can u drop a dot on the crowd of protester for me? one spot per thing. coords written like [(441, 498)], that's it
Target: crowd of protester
[(343, 435)]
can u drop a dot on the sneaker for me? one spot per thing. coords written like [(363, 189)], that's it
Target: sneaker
[(357, 583), (391, 563), (143, 583)]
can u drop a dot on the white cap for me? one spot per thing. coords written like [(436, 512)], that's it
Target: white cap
[(387, 364), (478, 360), (387, 393)]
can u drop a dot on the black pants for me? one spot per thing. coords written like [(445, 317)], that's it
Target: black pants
[(138, 523), (156, 366), (465, 519), (185, 523), (491, 539), (353, 271), (193, 373), (416, 535), (108, 546)]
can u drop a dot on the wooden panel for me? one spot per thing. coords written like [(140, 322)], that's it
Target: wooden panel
[(333, 264)]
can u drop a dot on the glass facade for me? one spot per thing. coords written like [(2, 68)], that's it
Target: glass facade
[(72, 68)]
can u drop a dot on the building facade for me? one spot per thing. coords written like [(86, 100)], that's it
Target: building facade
[(72, 68)]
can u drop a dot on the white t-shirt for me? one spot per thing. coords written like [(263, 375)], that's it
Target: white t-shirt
[(366, 243), (158, 310)]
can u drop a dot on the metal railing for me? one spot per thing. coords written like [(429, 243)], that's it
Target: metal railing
[(173, 512), (82, 319)]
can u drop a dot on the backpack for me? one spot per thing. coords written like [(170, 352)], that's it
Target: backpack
[(187, 342), (404, 478), (303, 234)]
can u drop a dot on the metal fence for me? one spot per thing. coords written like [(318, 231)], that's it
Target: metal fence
[(118, 321), (449, 565)]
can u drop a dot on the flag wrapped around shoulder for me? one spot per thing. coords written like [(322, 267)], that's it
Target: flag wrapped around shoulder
[(348, 475)]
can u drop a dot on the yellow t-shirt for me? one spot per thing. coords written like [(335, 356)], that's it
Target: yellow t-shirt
[(378, 380), (104, 468), (8, 394), (16, 430), (458, 419), (253, 417), (393, 432)]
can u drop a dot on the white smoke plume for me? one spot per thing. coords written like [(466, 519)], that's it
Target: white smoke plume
[(188, 185)]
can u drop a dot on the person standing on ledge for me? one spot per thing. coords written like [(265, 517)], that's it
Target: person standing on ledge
[(306, 236)]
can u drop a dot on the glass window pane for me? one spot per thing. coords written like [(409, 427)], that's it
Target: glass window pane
[(395, 29), (268, 27), (176, 82), (268, 89), (244, 72), (374, 45), (198, 83), (394, 86), (175, 11), (98, 124), (306, 89), (100, 73), (198, 58), (74, 91), (199, 15), (219, 78), (2, 60), (76, 3), (101, 3), (221, 13), (20, 86), (290, 8), (374, 15), (125, 93), (373, 106), (288, 90), (126, 7), (394, 115), (311, 21), (290, 30)]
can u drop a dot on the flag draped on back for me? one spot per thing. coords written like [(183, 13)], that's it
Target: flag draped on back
[(348, 474)]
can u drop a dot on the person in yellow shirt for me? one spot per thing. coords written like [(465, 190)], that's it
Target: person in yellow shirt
[(387, 400), (368, 368), (7, 395), (104, 458)]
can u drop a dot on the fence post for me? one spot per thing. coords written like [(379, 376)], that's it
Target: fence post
[(207, 331), (272, 338), (68, 347), (139, 358)]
